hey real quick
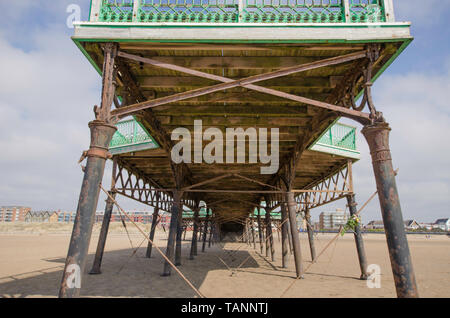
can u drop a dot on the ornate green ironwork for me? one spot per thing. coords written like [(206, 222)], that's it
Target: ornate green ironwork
[(252, 11), (131, 136), (219, 11), (340, 136), (293, 11), (116, 11), (366, 11)]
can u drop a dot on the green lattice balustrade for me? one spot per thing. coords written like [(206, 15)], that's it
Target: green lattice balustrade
[(366, 11), (339, 139), (116, 11), (297, 11), (131, 136), (251, 11), (188, 11)]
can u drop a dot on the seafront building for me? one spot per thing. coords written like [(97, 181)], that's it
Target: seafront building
[(333, 220), (13, 213)]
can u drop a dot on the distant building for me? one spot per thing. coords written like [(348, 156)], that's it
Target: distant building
[(333, 220), (426, 226), (411, 225), (13, 213), (41, 217), (65, 216), (443, 224), (136, 216), (375, 225)]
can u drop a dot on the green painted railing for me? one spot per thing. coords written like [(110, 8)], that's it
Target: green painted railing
[(242, 11), (131, 136), (339, 139), (339, 135)]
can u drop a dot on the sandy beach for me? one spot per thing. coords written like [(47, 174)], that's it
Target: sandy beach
[(33, 258)]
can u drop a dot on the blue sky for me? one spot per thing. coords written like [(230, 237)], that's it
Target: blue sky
[(48, 89)]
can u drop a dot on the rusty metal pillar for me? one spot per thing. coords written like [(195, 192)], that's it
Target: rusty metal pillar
[(358, 238), (272, 248), (260, 234), (205, 230), (148, 253), (284, 236), (266, 238), (377, 136), (102, 131), (210, 232), (253, 233), (312, 247), (194, 234), (176, 208), (178, 245), (289, 198), (105, 226)]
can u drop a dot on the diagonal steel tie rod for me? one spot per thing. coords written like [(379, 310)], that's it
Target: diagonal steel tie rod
[(228, 83)]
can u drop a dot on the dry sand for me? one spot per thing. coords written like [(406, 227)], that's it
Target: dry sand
[(32, 259)]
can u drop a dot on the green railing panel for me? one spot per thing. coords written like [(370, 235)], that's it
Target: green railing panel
[(116, 11), (252, 11), (294, 11), (366, 11), (218, 11), (130, 133), (339, 135)]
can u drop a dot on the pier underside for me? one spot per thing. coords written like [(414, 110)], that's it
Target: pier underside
[(156, 71)]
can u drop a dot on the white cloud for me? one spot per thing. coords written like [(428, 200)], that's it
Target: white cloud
[(416, 107)]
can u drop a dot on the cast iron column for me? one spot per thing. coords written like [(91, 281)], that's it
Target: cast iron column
[(194, 235), (179, 235), (284, 236), (294, 233), (105, 226), (172, 231), (205, 229), (358, 238), (148, 254), (253, 233), (310, 234), (260, 234), (377, 136), (102, 132)]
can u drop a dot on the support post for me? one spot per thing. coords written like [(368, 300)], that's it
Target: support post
[(172, 231), (294, 233), (194, 234), (101, 134), (210, 233), (205, 230), (260, 234), (270, 237), (377, 136), (312, 247), (358, 238), (105, 226), (253, 233), (148, 253), (284, 236), (179, 235)]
